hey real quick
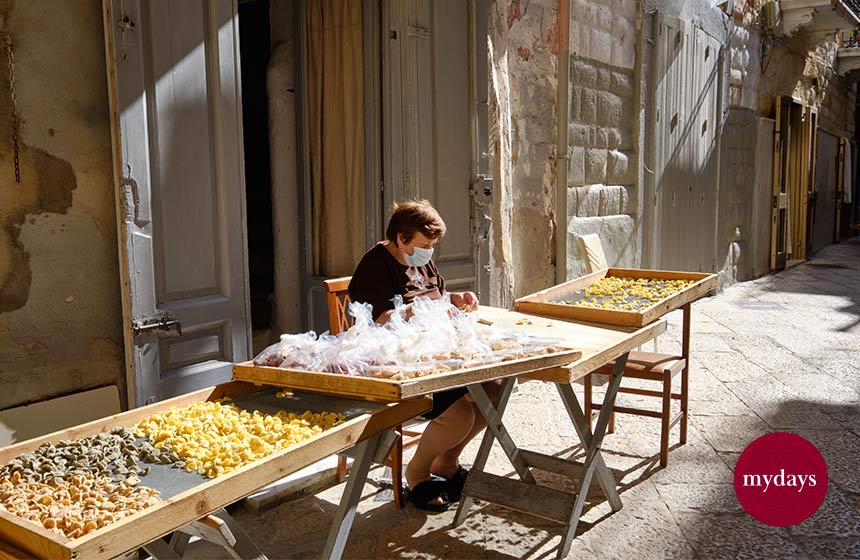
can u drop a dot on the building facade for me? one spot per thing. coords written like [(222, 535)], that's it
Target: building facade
[(686, 135)]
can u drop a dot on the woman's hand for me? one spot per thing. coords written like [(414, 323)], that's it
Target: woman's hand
[(384, 317), (464, 301)]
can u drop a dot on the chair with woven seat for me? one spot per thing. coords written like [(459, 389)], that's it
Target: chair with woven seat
[(649, 366), (337, 298)]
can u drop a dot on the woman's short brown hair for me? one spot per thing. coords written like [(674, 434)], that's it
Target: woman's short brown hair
[(415, 216)]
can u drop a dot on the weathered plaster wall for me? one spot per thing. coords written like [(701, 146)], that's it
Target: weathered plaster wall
[(736, 194), (603, 131), (60, 312), (522, 110)]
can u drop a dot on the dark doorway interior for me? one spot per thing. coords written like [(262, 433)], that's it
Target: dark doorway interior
[(255, 52)]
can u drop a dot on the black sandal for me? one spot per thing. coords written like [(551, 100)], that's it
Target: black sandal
[(456, 483), (425, 492)]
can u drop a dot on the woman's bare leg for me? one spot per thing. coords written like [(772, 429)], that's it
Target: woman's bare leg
[(451, 429), (447, 462)]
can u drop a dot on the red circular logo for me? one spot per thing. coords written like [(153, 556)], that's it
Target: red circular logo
[(781, 479)]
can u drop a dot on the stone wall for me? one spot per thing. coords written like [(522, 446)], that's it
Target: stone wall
[(60, 311), (523, 85), (737, 187), (603, 130)]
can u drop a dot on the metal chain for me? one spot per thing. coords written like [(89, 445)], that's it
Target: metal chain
[(16, 122)]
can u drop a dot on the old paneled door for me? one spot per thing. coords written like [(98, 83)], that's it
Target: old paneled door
[(173, 74), (794, 196), (434, 99), (685, 130), (781, 163)]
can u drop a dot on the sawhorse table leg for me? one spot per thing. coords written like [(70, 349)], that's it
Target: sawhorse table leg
[(592, 443), (560, 509), (484, 450), (349, 501), (218, 528)]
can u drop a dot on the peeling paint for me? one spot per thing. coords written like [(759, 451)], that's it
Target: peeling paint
[(552, 39), (514, 13), (46, 185), (60, 308)]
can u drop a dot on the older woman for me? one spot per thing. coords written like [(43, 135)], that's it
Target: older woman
[(402, 265)]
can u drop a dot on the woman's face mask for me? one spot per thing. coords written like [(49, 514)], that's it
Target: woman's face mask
[(419, 257)]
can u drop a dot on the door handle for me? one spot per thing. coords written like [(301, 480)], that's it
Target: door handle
[(162, 324)]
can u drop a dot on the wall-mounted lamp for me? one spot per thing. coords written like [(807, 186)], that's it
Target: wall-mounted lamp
[(770, 14)]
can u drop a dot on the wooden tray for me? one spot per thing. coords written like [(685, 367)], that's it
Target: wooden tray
[(202, 496), (388, 390), (544, 303)]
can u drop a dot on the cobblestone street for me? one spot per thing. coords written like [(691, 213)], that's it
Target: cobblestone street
[(780, 353)]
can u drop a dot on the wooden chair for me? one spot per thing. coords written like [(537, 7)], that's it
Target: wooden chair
[(337, 298), (650, 366)]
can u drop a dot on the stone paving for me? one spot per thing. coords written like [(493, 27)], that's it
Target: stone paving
[(780, 353)]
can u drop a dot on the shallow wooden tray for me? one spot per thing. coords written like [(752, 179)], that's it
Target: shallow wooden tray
[(387, 390), (545, 303), (189, 496)]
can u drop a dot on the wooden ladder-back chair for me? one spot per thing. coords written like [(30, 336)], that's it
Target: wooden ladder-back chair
[(337, 298), (644, 365)]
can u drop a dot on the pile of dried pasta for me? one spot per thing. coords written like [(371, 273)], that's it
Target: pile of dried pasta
[(627, 294), (214, 438)]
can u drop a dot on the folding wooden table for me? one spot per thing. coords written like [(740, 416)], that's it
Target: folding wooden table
[(591, 346), (188, 499), (599, 345)]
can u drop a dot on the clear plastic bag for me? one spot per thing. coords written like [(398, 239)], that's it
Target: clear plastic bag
[(437, 338)]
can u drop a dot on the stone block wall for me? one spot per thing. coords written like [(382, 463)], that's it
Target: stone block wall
[(744, 58), (602, 175), (738, 185)]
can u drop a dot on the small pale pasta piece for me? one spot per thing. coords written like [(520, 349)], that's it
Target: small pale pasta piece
[(216, 437), (75, 506)]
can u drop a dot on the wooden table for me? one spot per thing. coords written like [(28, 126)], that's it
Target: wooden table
[(594, 346), (189, 498), (599, 345), (547, 303)]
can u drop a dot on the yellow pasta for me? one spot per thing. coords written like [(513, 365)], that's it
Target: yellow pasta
[(216, 437), (627, 294)]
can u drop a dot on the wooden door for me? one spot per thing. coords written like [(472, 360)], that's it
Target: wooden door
[(779, 212), (827, 185), (810, 149), (431, 133), (840, 186), (173, 73)]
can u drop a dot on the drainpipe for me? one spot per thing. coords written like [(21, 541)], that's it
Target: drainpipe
[(562, 158)]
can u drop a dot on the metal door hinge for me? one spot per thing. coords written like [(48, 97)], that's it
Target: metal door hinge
[(161, 324)]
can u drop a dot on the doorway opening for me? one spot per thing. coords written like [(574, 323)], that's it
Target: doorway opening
[(255, 51)]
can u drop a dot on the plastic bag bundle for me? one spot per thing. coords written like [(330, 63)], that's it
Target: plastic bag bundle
[(436, 339)]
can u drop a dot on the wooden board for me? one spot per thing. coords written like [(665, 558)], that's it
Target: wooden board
[(387, 390), (546, 302), (596, 345), (599, 344), (208, 496)]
